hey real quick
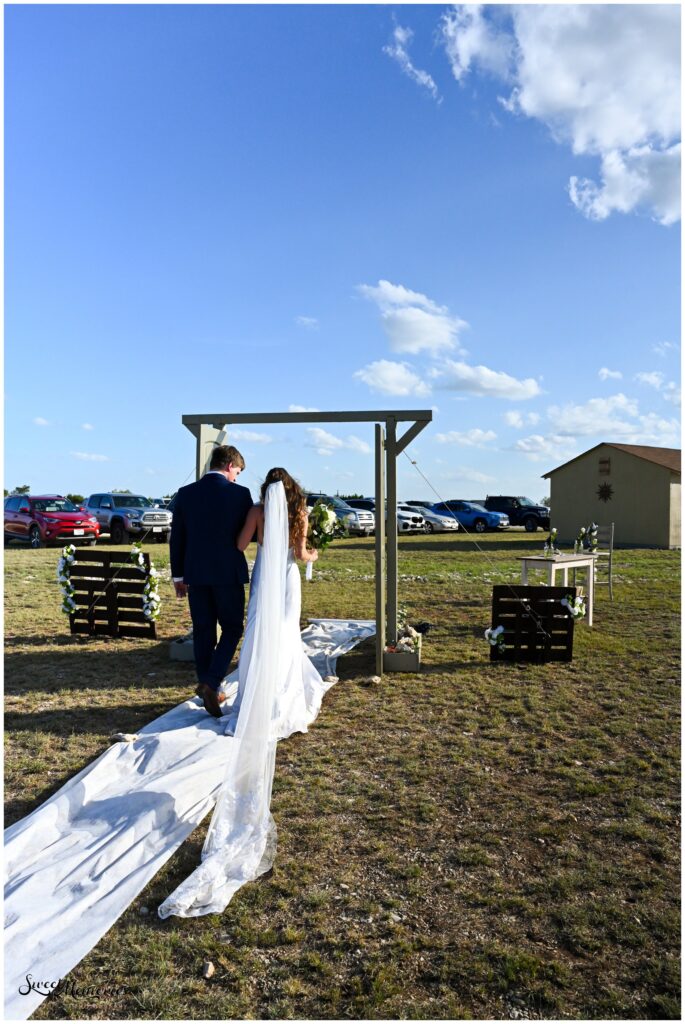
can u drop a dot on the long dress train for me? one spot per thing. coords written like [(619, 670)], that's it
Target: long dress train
[(278, 688)]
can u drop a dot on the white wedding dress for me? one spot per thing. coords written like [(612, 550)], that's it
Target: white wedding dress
[(279, 692)]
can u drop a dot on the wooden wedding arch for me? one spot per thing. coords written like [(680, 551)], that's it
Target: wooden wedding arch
[(210, 429)]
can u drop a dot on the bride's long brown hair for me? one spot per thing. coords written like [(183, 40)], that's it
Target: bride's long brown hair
[(295, 499)]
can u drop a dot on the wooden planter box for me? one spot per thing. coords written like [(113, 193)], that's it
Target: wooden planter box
[(403, 661), (537, 627)]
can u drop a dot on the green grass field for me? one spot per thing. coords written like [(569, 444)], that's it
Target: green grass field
[(473, 841)]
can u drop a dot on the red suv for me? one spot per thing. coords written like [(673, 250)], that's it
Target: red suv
[(47, 518)]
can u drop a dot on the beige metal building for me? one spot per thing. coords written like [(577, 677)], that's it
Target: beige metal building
[(634, 486)]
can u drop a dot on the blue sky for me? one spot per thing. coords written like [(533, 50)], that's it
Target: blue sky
[(259, 208)]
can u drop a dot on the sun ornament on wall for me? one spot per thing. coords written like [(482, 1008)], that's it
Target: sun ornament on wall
[(605, 492)]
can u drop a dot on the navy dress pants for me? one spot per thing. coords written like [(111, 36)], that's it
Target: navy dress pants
[(211, 606)]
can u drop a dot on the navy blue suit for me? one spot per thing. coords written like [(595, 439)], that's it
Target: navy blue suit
[(208, 516)]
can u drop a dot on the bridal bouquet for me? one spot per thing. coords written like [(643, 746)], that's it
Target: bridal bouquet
[(324, 527)]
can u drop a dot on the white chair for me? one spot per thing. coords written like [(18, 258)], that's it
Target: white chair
[(605, 557)]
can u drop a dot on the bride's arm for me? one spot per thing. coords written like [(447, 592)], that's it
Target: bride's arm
[(253, 521), (300, 549)]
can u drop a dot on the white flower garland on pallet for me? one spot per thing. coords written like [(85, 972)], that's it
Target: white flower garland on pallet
[(66, 586), (152, 602)]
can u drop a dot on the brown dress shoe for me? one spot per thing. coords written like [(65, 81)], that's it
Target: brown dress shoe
[(210, 700)]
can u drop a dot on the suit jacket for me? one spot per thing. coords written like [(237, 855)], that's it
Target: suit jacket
[(208, 516)]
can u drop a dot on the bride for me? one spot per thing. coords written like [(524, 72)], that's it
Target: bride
[(279, 692)]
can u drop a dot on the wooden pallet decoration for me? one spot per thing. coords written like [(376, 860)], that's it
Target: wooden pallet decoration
[(109, 595), (537, 627)]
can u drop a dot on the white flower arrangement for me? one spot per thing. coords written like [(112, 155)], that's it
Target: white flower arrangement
[(550, 543), (152, 602), (63, 575), (495, 636), (575, 605), (591, 534)]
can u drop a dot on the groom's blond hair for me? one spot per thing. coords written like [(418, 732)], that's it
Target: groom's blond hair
[(225, 454)]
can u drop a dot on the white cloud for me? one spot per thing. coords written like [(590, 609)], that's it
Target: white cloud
[(397, 50), (302, 408), (40, 422), (606, 374), (87, 426), (536, 447), (662, 348), (470, 38), (517, 419), (604, 79), (474, 438), (671, 392), (392, 379), (473, 476), (614, 419), (357, 445), (596, 416), (655, 379), (250, 435), (412, 322), (325, 443), (479, 380), (308, 322), (90, 457)]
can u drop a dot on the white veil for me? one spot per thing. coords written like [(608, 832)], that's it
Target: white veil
[(241, 841)]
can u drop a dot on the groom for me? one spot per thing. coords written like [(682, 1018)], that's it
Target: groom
[(207, 566)]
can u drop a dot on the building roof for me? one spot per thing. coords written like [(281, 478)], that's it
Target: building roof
[(669, 458)]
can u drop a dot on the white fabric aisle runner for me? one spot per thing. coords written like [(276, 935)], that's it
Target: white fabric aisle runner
[(80, 859)]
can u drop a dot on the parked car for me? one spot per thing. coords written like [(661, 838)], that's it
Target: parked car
[(521, 511), (128, 516), (435, 522), (472, 516), (356, 521), (408, 519), (46, 519), (366, 503)]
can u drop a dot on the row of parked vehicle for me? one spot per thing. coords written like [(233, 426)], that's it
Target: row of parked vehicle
[(42, 519), (51, 518), (496, 512)]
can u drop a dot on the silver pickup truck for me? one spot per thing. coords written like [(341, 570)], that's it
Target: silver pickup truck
[(129, 517)]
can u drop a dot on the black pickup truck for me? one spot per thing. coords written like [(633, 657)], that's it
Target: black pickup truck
[(521, 511)]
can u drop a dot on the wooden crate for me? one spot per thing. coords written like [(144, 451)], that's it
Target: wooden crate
[(109, 594), (537, 627)]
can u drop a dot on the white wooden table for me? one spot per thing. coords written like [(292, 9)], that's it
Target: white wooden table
[(562, 563)]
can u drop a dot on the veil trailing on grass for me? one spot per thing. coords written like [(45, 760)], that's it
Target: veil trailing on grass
[(241, 841)]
